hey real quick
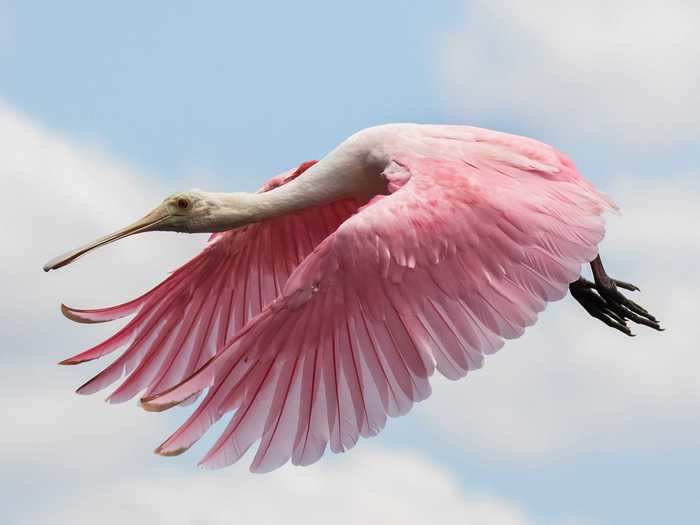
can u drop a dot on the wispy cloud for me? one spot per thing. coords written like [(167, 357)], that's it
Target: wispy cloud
[(620, 71), (63, 194), (375, 486)]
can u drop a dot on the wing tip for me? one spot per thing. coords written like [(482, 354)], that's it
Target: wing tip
[(85, 389), (175, 395), (75, 360), (161, 450), (74, 315), (151, 404)]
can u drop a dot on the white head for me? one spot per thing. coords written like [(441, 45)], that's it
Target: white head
[(193, 211)]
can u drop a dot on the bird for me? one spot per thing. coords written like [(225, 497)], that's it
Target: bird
[(322, 304)]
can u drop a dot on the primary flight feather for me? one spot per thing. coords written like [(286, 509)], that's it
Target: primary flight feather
[(323, 303)]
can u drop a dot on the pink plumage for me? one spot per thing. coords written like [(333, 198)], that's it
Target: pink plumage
[(314, 324)]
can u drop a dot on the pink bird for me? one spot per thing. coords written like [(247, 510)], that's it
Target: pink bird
[(324, 302)]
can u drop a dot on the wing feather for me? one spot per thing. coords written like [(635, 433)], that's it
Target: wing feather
[(181, 323), (462, 255)]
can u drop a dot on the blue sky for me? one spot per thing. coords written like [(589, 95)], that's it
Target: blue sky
[(105, 109), (228, 81)]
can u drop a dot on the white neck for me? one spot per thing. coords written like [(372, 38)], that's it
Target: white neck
[(329, 180)]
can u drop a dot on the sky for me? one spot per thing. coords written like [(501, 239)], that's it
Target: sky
[(104, 110)]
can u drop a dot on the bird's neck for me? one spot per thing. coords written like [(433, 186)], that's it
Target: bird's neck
[(325, 182)]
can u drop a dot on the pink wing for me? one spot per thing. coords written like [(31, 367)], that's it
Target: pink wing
[(181, 323), (462, 255)]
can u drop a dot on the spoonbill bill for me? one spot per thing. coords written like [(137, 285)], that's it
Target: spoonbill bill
[(324, 302)]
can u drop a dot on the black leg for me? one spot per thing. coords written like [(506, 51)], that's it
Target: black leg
[(604, 301)]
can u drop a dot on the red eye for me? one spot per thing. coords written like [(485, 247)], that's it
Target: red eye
[(183, 204)]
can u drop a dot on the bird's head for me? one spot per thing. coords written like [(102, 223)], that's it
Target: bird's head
[(191, 211), (187, 211)]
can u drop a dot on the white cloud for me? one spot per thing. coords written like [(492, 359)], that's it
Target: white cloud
[(99, 468), (622, 71), (60, 194), (50, 428), (374, 487), (572, 385)]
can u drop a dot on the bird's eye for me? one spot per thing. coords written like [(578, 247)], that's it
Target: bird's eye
[(183, 203)]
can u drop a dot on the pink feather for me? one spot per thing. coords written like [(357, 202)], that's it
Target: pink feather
[(480, 231), (181, 323)]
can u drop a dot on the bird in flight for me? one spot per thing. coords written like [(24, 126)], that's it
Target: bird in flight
[(324, 302)]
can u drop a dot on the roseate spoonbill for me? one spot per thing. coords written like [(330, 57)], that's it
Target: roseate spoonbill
[(324, 302)]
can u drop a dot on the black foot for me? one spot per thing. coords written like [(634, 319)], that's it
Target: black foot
[(603, 300)]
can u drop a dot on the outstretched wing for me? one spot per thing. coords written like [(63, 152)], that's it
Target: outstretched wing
[(463, 254), (180, 323)]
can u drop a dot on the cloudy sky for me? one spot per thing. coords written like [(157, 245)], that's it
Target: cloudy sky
[(105, 110)]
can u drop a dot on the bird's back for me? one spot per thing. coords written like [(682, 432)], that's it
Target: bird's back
[(454, 142)]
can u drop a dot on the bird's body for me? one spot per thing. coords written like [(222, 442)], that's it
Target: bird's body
[(326, 300)]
